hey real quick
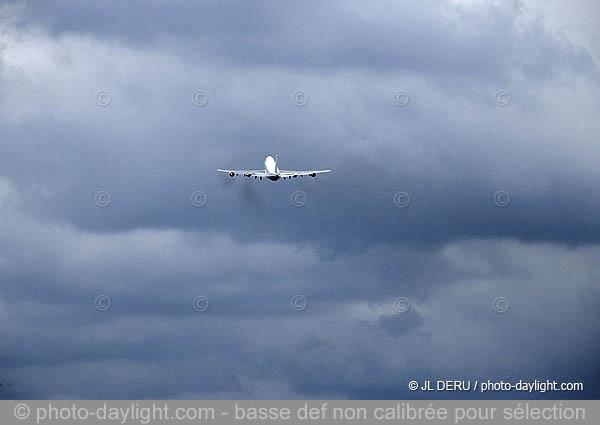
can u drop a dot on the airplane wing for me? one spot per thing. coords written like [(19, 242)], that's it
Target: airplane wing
[(290, 173), (247, 173)]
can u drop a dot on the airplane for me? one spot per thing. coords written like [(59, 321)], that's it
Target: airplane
[(272, 171)]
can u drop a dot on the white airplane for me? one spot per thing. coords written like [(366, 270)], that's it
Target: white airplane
[(272, 171)]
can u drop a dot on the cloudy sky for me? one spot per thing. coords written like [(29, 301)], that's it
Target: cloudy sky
[(458, 236)]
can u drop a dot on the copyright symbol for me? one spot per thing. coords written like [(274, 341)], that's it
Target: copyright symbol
[(102, 303), (201, 304), (103, 98), (500, 305), (502, 98), (402, 304), (299, 302), (413, 385), (401, 98), (22, 411), (200, 98), (298, 199), (401, 199), (198, 199), (300, 98), (502, 198), (102, 199)]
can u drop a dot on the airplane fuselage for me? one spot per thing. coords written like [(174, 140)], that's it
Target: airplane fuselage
[(271, 168)]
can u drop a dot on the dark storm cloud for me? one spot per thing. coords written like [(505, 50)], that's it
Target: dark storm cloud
[(451, 171), (424, 37), (451, 148), (351, 251), (348, 342), (400, 323)]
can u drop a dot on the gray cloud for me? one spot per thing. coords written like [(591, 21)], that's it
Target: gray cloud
[(400, 323), (349, 342), (420, 37), (152, 147)]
